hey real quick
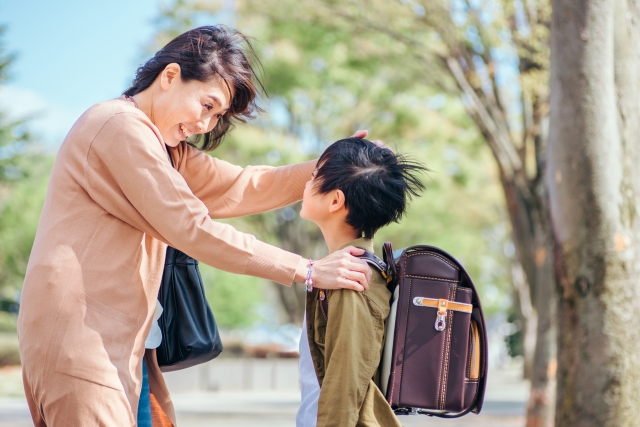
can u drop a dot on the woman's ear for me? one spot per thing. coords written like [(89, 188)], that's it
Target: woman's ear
[(169, 75), (337, 201)]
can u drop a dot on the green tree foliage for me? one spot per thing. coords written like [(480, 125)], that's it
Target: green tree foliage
[(325, 82), (23, 179), (14, 138), (19, 215), (232, 298)]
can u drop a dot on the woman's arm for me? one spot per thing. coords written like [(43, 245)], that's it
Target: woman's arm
[(128, 173), (231, 191)]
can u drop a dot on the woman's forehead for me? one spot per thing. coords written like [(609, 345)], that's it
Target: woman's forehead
[(217, 89)]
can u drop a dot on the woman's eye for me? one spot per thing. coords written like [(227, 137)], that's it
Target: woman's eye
[(208, 107)]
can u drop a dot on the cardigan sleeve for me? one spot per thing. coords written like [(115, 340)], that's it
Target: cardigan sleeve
[(128, 174), (231, 191)]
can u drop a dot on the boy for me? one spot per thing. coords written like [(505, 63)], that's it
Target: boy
[(356, 189)]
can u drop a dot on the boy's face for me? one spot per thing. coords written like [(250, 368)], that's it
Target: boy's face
[(315, 206)]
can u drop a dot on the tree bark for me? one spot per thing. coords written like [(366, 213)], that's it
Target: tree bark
[(594, 185), (522, 234), (540, 409), (526, 314), (533, 238)]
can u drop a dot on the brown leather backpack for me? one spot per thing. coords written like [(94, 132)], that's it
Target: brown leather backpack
[(435, 355)]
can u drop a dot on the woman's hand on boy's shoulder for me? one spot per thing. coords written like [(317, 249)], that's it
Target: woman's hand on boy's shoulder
[(342, 270)]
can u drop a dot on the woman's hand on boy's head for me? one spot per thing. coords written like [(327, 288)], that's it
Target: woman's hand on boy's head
[(342, 270), (363, 134)]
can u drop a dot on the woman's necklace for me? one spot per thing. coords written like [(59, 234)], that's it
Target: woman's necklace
[(132, 99)]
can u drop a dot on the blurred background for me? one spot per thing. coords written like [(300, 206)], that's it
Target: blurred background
[(458, 87)]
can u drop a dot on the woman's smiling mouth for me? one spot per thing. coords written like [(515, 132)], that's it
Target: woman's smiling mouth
[(185, 131)]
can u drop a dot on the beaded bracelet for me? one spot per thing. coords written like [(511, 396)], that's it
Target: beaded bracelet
[(308, 283)]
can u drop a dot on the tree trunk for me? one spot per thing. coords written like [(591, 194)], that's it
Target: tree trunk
[(540, 409), (594, 187), (526, 314), (533, 238)]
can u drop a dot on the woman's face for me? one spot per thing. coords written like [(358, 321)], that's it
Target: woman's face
[(183, 109)]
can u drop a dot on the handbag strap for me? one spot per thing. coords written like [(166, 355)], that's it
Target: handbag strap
[(173, 251), (170, 156)]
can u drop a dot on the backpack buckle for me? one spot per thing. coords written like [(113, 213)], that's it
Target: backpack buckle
[(443, 305), (441, 322)]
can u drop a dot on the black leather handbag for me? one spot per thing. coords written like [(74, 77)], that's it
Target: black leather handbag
[(189, 332)]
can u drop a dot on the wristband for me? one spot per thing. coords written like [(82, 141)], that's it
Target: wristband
[(308, 283)]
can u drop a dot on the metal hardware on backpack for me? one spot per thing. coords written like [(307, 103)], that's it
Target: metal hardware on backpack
[(435, 354), (189, 332)]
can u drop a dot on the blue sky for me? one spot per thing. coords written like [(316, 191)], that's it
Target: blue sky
[(71, 54)]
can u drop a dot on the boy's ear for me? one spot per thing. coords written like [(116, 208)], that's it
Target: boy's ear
[(337, 201)]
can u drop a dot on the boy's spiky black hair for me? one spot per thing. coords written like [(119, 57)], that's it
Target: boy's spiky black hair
[(377, 183)]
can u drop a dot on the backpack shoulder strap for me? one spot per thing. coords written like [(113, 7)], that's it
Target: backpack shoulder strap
[(384, 268), (373, 260), (387, 256)]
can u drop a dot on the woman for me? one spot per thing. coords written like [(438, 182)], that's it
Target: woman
[(114, 202)]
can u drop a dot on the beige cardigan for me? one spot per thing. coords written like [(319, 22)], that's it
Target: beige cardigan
[(113, 204)]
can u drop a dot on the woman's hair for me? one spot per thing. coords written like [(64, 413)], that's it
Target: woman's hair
[(203, 53), (377, 183)]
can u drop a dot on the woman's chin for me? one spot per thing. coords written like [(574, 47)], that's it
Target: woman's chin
[(174, 138), (172, 141)]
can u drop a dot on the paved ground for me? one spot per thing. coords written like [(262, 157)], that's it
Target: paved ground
[(504, 407), (275, 404)]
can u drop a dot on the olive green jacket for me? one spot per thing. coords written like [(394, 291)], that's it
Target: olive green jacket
[(346, 347)]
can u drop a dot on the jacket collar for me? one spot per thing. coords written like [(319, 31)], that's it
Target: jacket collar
[(362, 243)]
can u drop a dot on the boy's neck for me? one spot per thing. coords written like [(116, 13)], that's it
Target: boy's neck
[(338, 235)]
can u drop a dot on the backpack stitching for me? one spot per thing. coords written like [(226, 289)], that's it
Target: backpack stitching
[(431, 278), (442, 365), (441, 368), (437, 256), (404, 347), (447, 360), (470, 349)]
